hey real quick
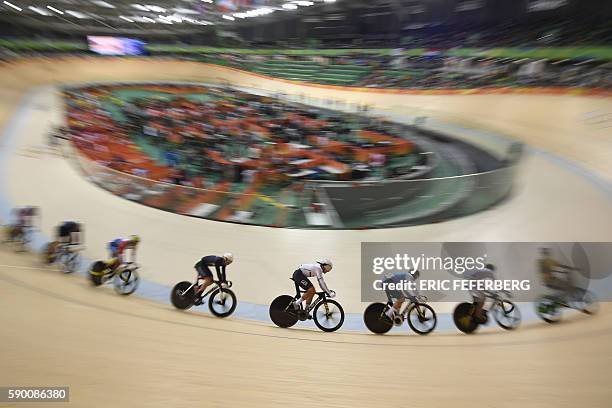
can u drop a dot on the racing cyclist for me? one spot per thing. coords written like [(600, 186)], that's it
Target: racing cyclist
[(399, 296), (118, 247), (555, 275), (479, 296), (204, 272), (305, 271)]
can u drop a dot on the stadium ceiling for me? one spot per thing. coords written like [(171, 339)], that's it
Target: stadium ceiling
[(166, 16)]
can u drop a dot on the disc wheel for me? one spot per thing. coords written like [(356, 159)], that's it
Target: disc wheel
[(507, 315), (222, 302), (282, 313), (421, 318), (180, 298), (328, 315), (549, 309), (376, 320), (462, 316)]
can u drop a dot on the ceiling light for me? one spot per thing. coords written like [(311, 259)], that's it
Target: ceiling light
[(185, 11), (77, 14), (140, 7), (40, 11), (290, 6), (12, 5), (102, 4), (155, 9), (56, 10), (230, 18), (126, 19)]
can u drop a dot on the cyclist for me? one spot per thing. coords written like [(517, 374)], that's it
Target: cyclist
[(478, 296), (399, 296), (204, 272), (305, 271), (69, 233), (24, 219), (554, 274), (117, 248)]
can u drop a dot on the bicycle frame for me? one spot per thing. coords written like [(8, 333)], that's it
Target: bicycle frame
[(65, 255), (216, 285), (117, 271), (406, 305), (320, 297), (496, 300)]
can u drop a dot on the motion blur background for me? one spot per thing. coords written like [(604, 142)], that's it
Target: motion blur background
[(336, 122)]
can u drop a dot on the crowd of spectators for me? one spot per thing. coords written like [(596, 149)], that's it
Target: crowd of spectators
[(462, 73), (224, 135)]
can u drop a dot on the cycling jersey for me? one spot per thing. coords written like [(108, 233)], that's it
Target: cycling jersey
[(25, 216), (555, 275), (314, 270), (118, 246), (67, 232), (401, 278), (479, 274), (211, 260)]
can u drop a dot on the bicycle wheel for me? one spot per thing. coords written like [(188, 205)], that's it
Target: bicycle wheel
[(462, 316), (422, 318), (328, 315), (549, 309), (375, 318), (222, 302), (282, 313), (180, 298), (96, 272), (587, 304), (71, 262), (507, 315), (126, 282)]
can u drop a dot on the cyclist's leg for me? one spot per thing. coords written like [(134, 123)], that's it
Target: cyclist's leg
[(398, 300), (478, 299), (304, 283), (206, 275)]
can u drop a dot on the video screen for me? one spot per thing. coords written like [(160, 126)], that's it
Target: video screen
[(115, 45)]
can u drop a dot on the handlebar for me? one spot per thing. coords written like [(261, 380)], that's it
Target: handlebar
[(497, 294)]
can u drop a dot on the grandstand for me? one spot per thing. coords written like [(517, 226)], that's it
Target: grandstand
[(283, 177), (151, 149)]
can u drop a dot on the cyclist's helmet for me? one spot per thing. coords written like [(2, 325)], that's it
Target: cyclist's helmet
[(134, 239), (490, 267), (415, 274), (229, 258), (325, 262)]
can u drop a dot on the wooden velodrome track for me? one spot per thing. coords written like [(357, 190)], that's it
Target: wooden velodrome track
[(113, 351)]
